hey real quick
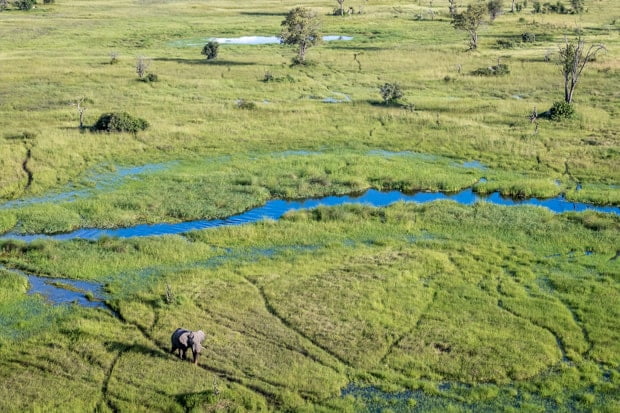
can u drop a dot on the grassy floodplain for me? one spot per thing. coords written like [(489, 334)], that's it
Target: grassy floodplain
[(435, 307)]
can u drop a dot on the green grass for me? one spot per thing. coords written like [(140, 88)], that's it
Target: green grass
[(406, 296)]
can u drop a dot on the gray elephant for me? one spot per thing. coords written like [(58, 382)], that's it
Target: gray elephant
[(183, 339)]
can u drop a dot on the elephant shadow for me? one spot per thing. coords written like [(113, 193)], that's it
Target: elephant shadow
[(117, 346)]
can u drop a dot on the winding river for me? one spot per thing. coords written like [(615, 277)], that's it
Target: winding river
[(275, 209)]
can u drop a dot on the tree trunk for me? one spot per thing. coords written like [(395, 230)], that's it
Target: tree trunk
[(473, 42), (301, 56)]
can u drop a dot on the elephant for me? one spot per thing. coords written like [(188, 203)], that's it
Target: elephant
[(183, 339)]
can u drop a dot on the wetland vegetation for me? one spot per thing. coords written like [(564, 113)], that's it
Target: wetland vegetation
[(431, 307)]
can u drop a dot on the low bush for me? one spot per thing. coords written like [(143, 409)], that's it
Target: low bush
[(528, 37), (561, 110), (151, 77), (246, 104), (119, 122), (498, 70), (391, 92), (210, 50), (505, 44)]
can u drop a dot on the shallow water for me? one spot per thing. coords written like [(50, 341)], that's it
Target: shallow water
[(247, 40), (96, 181), (473, 165), (275, 209), (74, 291), (56, 294)]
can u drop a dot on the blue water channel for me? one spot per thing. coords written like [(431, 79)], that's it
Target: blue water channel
[(275, 209)]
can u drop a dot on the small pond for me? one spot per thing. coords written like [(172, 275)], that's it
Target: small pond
[(247, 40), (275, 209)]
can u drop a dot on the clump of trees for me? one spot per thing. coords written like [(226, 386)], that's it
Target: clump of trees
[(301, 28), (120, 122), (470, 21), (576, 7), (24, 4), (210, 50)]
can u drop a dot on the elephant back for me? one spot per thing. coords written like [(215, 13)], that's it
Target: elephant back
[(180, 337)]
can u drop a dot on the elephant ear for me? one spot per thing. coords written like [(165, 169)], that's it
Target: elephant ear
[(183, 339), (199, 336), (191, 337)]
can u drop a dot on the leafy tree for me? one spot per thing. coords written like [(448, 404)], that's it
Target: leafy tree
[(470, 21), (4, 4), (391, 92), (573, 60), (301, 28), (495, 8), (210, 50)]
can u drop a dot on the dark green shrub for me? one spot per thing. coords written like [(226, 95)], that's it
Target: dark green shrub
[(561, 110), (151, 77), (210, 50), (49, 1), (119, 122), (499, 70), (391, 92), (245, 104), (24, 4), (528, 37), (505, 44)]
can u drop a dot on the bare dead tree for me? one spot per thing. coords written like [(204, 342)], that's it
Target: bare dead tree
[(142, 64), (113, 57), (359, 64), (81, 109), (452, 7), (573, 60)]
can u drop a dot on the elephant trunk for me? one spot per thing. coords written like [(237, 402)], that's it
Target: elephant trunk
[(196, 350)]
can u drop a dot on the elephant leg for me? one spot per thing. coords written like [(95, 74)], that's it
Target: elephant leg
[(184, 356)]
